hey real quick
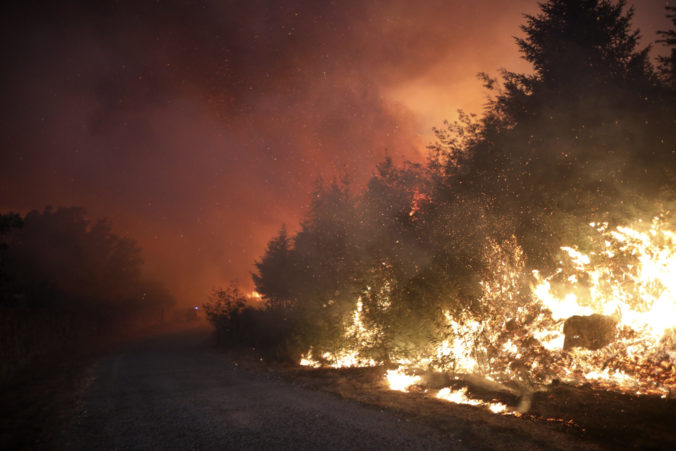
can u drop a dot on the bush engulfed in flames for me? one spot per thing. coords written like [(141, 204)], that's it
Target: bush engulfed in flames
[(605, 317)]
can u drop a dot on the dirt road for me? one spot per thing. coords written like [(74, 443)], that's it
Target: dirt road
[(177, 392)]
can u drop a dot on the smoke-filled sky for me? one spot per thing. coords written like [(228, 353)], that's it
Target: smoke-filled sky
[(198, 127)]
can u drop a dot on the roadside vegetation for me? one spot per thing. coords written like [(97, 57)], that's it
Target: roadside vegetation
[(66, 282), (587, 136)]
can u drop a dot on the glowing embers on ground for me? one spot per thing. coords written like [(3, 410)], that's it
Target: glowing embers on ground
[(400, 381)]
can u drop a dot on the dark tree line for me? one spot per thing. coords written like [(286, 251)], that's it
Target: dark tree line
[(587, 136), (64, 278)]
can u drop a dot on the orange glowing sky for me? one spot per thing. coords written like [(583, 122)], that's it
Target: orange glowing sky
[(198, 127)]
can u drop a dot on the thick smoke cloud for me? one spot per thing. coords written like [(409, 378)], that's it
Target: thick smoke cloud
[(199, 127)]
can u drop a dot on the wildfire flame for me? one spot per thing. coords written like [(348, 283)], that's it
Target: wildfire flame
[(460, 397), (254, 296), (631, 279), (398, 380), (417, 201), (625, 283)]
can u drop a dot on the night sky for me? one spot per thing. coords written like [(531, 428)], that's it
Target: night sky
[(199, 127)]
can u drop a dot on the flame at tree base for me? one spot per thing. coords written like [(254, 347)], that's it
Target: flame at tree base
[(605, 317)]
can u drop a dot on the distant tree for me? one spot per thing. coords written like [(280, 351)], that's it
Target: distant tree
[(64, 279), (8, 222), (60, 260)]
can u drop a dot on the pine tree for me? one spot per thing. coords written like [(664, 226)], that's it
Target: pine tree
[(273, 278), (585, 136), (668, 63)]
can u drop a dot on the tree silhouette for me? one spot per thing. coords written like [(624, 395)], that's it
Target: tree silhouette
[(275, 270), (66, 280), (60, 260), (581, 44), (585, 137), (8, 222), (668, 63)]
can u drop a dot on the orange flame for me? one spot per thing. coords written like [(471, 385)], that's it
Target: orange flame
[(630, 278)]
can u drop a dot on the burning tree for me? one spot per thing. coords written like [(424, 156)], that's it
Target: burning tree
[(535, 245)]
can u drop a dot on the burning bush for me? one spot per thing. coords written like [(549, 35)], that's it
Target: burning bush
[(536, 245)]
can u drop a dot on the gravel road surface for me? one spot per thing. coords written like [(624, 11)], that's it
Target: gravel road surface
[(178, 392)]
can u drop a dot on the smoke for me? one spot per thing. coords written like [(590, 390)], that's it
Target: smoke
[(199, 127)]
